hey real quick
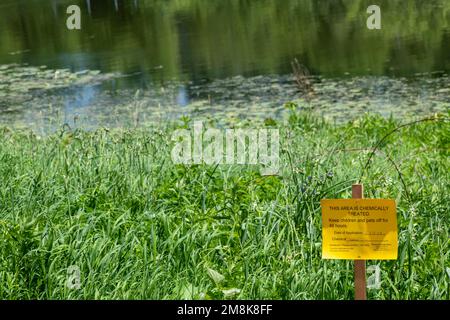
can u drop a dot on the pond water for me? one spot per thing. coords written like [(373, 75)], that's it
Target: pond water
[(135, 61)]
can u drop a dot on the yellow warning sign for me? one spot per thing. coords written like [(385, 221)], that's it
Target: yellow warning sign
[(359, 229)]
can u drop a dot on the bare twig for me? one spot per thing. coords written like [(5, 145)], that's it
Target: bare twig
[(379, 143), (302, 78)]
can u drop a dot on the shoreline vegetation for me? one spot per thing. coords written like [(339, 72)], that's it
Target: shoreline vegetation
[(41, 98), (112, 203)]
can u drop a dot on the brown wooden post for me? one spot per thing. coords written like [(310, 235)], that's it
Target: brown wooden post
[(360, 265)]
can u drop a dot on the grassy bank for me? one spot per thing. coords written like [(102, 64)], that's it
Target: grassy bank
[(140, 227)]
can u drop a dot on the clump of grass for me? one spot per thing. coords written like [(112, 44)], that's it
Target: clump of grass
[(139, 227)]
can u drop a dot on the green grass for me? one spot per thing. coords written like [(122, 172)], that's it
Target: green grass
[(139, 227)]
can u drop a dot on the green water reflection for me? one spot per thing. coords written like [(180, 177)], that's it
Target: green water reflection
[(191, 39)]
